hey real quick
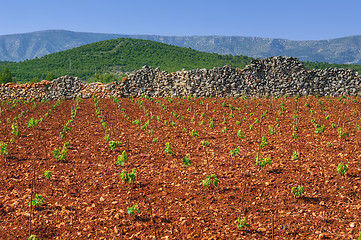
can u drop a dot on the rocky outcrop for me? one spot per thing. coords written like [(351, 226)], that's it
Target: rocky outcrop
[(267, 77)]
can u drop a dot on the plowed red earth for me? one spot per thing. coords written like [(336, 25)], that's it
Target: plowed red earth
[(87, 199)]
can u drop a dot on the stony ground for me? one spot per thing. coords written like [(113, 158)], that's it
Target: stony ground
[(86, 198)]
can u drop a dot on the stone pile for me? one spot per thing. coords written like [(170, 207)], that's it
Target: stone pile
[(267, 77), (63, 87)]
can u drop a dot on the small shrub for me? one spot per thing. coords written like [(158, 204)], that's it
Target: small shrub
[(271, 130), (294, 135), (261, 161), (195, 133), (319, 129), (205, 143), (341, 133), (144, 127), (62, 134), (342, 168), (122, 158), (211, 181), (104, 125), (32, 237), (136, 122), (168, 148), (3, 148), (242, 223), (32, 123), (128, 177), (187, 160), (61, 155), (235, 152), (14, 129), (297, 191), (47, 174), (37, 201), (264, 142), (133, 209), (241, 134), (114, 144), (107, 137), (294, 155)]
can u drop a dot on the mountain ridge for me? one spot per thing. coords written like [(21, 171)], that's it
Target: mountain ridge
[(346, 50)]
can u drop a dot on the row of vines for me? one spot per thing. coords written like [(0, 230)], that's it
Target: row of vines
[(181, 167)]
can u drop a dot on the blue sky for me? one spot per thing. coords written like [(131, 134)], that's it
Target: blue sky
[(295, 20)]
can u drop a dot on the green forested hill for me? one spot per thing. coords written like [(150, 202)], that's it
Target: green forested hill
[(121, 54), (126, 54)]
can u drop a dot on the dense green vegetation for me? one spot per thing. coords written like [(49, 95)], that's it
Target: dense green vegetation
[(6, 76), (119, 55), (324, 65), (97, 60)]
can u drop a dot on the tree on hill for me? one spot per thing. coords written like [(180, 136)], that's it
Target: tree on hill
[(6, 76), (50, 76), (35, 80)]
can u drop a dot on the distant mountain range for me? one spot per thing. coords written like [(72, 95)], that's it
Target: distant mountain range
[(347, 50)]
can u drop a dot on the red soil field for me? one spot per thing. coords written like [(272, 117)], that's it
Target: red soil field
[(86, 198)]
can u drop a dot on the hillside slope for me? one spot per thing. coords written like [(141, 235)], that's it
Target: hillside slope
[(123, 55), (18, 47)]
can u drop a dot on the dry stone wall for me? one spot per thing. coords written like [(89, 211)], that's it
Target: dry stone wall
[(267, 77)]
